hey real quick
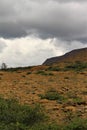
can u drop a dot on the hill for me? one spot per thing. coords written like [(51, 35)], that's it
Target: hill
[(74, 55), (61, 91)]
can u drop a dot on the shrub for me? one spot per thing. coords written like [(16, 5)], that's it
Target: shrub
[(53, 68), (51, 95), (77, 124), (44, 73), (13, 115), (78, 66), (19, 68), (78, 101), (51, 126), (41, 72), (29, 73)]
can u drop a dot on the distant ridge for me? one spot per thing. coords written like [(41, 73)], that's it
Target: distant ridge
[(72, 56)]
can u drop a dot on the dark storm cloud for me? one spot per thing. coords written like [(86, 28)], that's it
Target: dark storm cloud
[(11, 30), (64, 19)]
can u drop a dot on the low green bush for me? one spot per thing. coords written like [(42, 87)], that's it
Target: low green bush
[(29, 73), (53, 68), (52, 95), (18, 69), (46, 127), (77, 66), (44, 73), (19, 117), (14, 116), (77, 124)]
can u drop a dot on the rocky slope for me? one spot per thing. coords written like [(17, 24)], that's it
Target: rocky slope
[(74, 55), (60, 90)]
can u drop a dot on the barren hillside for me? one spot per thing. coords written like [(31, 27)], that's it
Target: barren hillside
[(61, 90), (74, 55)]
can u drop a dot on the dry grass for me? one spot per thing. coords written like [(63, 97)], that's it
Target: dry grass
[(26, 86)]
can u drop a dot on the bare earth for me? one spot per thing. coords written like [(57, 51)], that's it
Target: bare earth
[(27, 86)]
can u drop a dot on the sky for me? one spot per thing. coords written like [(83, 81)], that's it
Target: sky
[(33, 30)]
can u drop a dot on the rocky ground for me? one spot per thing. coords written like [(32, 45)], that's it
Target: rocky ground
[(62, 93)]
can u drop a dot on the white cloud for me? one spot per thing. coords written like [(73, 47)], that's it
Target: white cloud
[(2, 45), (33, 51), (27, 51)]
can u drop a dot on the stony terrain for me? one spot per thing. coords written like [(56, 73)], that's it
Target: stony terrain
[(60, 88), (74, 55), (30, 86)]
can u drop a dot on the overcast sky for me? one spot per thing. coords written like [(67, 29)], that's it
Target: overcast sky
[(33, 30)]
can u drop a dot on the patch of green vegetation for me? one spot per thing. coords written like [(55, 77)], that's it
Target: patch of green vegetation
[(78, 101), (17, 69), (76, 124), (44, 73), (51, 126), (53, 68), (52, 94), (77, 66), (75, 99), (29, 73), (14, 116)]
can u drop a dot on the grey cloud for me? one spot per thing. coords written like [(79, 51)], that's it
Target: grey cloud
[(11, 30), (64, 19)]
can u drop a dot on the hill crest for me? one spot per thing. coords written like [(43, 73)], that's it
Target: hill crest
[(72, 56)]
